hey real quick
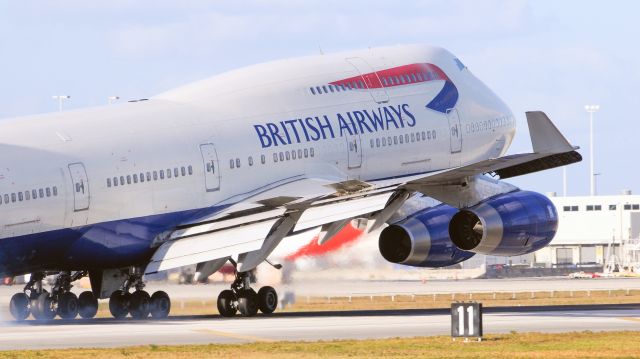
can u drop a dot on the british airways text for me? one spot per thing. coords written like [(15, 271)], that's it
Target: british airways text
[(321, 127)]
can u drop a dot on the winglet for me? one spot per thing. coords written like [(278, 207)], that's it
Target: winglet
[(545, 136)]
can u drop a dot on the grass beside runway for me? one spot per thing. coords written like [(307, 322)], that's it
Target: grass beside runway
[(514, 345)]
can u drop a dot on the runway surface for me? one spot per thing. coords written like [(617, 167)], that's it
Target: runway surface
[(309, 326)]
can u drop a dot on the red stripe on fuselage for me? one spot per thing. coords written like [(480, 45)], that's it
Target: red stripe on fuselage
[(396, 76)]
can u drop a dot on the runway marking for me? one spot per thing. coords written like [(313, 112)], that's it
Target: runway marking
[(234, 335), (631, 319)]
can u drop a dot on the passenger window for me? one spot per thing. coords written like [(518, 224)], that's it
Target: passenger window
[(20, 196), (384, 141), (55, 190), (6, 198), (108, 182), (433, 134), (175, 172), (344, 88), (413, 137), (168, 172), (155, 175), (395, 140), (27, 195), (281, 155), (311, 151), (141, 177), (428, 135), (275, 157), (419, 76), (313, 92), (299, 153), (128, 179), (337, 88), (384, 81), (115, 181), (161, 174), (406, 137), (372, 142), (287, 155), (250, 160), (232, 163), (48, 191), (190, 170), (41, 193), (183, 171), (318, 89), (34, 193), (413, 77), (135, 178), (389, 140), (306, 153), (417, 136), (330, 88), (238, 162), (377, 142), (293, 154), (424, 136), (13, 197), (263, 159)]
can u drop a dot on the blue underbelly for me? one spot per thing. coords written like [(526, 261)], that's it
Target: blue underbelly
[(103, 245)]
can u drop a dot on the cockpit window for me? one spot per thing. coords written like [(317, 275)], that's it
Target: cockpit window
[(459, 64)]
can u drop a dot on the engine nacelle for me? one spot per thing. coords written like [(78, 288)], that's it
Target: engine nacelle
[(509, 224), (422, 240)]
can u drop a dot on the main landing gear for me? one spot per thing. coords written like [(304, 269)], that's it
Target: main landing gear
[(138, 304), (241, 297), (44, 305)]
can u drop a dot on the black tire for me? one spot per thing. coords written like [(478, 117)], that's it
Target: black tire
[(19, 306), (248, 303), (68, 306), (43, 307), (87, 305), (160, 305), (139, 304), (226, 303), (119, 304), (267, 300)]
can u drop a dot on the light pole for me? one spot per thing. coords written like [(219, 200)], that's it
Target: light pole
[(112, 99), (564, 181), (591, 109), (595, 187), (60, 98)]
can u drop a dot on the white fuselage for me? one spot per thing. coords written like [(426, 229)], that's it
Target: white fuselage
[(231, 135)]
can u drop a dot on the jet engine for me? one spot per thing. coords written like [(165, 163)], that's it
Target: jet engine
[(509, 224), (422, 240)]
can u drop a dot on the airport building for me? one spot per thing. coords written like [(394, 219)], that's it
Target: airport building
[(593, 231)]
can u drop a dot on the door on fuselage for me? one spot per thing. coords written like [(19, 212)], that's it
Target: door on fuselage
[(211, 168), (354, 149), (80, 182), (455, 130)]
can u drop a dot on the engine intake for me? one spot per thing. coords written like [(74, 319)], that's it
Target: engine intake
[(510, 224), (422, 240)]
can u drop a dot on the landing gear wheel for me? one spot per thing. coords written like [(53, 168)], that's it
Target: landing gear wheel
[(160, 305), (119, 304), (248, 302), (42, 307), (139, 304), (87, 305), (226, 303), (267, 300), (19, 306), (67, 305)]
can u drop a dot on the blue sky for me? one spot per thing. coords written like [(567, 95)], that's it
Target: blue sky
[(554, 56)]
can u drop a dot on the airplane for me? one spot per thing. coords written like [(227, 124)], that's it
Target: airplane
[(223, 170)]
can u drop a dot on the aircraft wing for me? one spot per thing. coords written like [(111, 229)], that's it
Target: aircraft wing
[(550, 149)]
